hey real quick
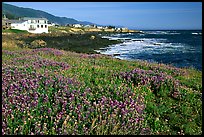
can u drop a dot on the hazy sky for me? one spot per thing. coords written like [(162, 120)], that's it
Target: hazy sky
[(138, 15)]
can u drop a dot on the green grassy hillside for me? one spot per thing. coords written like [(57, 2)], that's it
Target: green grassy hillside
[(12, 11), (51, 91)]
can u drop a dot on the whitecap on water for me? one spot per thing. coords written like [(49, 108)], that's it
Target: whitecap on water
[(195, 33), (162, 32), (147, 46)]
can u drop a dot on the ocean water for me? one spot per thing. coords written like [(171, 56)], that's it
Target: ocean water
[(180, 48)]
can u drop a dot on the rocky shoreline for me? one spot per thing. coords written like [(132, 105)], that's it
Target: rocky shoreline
[(81, 40)]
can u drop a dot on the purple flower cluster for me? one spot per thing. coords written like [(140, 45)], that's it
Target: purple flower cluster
[(26, 96), (25, 59), (48, 51), (45, 104), (46, 63), (8, 52), (84, 109), (91, 56), (38, 62), (129, 112), (174, 70), (48, 103), (156, 80), (51, 51), (18, 95)]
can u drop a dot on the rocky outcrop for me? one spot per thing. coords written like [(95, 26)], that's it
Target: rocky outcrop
[(38, 43)]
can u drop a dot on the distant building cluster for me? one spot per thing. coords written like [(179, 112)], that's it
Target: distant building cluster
[(95, 26), (40, 25)]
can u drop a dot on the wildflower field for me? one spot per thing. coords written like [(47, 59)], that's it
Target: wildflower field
[(48, 91)]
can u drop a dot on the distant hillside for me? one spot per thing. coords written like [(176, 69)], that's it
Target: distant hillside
[(16, 12)]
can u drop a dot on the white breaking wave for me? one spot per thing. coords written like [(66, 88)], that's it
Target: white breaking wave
[(115, 38), (133, 46), (162, 32), (194, 33), (143, 45), (127, 39)]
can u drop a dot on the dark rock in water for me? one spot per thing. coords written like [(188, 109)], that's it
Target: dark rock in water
[(116, 54), (123, 45), (127, 39)]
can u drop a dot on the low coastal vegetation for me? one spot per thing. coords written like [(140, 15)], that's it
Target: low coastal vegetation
[(80, 43), (47, 88), (10, 31)]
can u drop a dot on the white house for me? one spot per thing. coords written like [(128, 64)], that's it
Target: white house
[(124, 28), (77, 25), (32, 25), (99, 27), (118, 29)]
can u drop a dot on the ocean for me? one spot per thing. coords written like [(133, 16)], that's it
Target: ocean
[(180, 48)]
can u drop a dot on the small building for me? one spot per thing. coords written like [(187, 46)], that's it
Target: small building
[(50, 24), (118, 29), (99, 27), (77, 25), (124, 28), (32, 25), (6, 24), (94, 26), (69, 25)]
